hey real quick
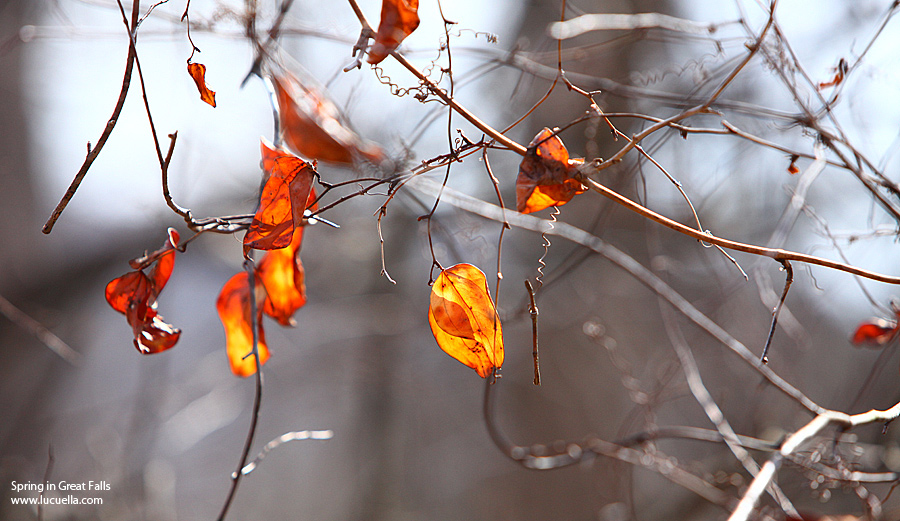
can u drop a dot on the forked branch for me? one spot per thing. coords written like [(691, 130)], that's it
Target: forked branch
[(797, 440)]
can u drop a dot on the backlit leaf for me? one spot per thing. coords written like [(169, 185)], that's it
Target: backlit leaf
[(281, 273), (233, 306), (313, 126), (875, 332), (135, 293), (283, 199), (399, 18), (198, 73), (546, 174), (463, 319)]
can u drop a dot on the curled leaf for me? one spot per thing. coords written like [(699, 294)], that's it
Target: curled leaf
[(314, 127), (838, 78), (283, 199), (463, 319), (399, 18), (135, 294), (233, 306), (546, 174), (198, 73)]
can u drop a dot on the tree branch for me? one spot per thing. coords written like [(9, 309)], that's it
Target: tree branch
[(110, 125), (795, 441)]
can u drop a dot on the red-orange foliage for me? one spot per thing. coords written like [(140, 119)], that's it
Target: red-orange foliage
[(135, 293)]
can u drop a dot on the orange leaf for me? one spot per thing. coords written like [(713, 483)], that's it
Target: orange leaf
[(198, 73), (546, 174), (281, 273), (282, 202), (233, 306), (463, 319), (398, 20), (314, 127), (875, 332), (269, 155), (134, 294)]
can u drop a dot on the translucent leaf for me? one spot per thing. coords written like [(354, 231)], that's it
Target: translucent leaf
[(198, 73), (233, 306), (282, 202), (281, 273), (135, 293), (123, 291), (875, 332), (270, 154), (546, 174), (463, 319), (399, 18), (157, 335), (314, 127)]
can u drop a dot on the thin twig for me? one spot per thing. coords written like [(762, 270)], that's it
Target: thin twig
[(504, 225), (46, 337), (439, 92), (753, 50), (107, 130), (577, 452), (257, 399), (47, 471), (788, 279), (534, 333), (773, 253), (712, 410), (284, 438)]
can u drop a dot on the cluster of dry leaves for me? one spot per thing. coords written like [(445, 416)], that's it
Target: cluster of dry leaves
[(461, 312)]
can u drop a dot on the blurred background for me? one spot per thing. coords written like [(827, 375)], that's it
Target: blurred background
[(166, 431)]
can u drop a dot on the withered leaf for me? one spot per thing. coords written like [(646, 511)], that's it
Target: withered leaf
[(399, 18), (233, 306), (135, 294), (463, 319), (875, 332), (546, 174), (313, 126), (198, 73), (283, 199), (281, 273)]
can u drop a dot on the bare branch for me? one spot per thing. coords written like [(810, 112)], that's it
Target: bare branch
[(624, 261), (46, 337), (110, 125), (798, 439)]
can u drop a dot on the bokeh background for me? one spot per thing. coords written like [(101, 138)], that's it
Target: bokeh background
[(410, 442)]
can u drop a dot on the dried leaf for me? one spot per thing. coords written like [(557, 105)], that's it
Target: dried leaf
[(233, 306), (875, 332), (546, 174), (398, 20), (792, 168), (463, 319), (283, 199), (135, 293), (198, 73), (314, 127), (838, 78), (281, 273)]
